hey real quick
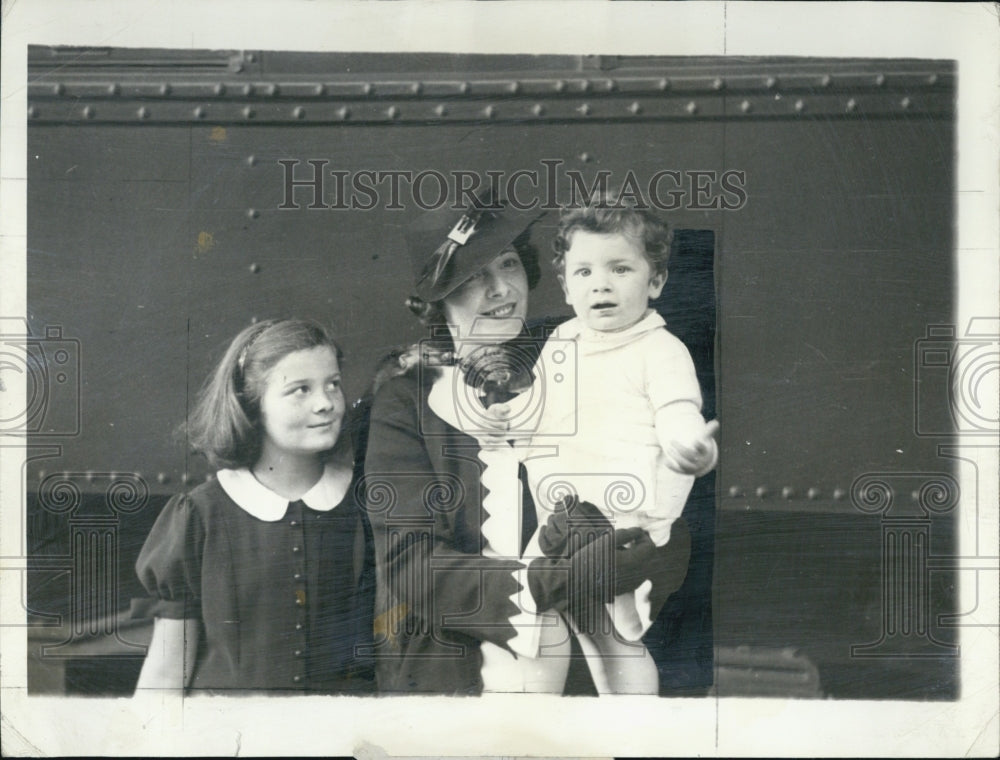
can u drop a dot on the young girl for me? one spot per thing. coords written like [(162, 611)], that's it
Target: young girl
[(254, 576)]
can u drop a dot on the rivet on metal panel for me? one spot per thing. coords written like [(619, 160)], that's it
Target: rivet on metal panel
[(185, 478), (249, 113), (58, 89), (636, 108), (88, 112), (718, 84), (392, 112), (813, 493), (838, 494), (489, 112), (251, 160), (585, 85), (254, 268), (585, 157), (787, 492), (664, 84), (905, 103), (852, 105), (440, 110), (513, 88), (416, 87), (32, 112), (915, 495), (89, 476), (800, 105), (745, 106), (164, 89), (932, 80), (691, 107), (161, 477), (219, 89), (367, 89), (761, 492), (247, 89), (463, 88), (538, 109), (299, 112), (42, 474), (771, 83), (826, 81), (114, 89), (584, 109), (559, 85), (199, 113), (319, 89), (271, 90), (880, 80), (253, 213), (238, 67), (143, 113), (735, 492), (344, 112)]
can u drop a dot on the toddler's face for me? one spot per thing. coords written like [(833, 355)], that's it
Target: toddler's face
[(608, 281)]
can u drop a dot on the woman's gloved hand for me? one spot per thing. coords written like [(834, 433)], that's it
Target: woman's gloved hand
[(600, 564), (569, 516), (581, 583)]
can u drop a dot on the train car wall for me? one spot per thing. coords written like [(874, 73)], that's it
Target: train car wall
[(175, 196)]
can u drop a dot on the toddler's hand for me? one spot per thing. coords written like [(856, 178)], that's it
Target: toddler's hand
[(693, 451)]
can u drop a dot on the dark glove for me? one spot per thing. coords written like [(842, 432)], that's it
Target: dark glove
[(669, 566), (582, 583), (570, 516)]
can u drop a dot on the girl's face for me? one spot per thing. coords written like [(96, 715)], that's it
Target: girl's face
[(302, 405), (491, 305)]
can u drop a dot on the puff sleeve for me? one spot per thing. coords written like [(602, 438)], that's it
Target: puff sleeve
[(169, 565)]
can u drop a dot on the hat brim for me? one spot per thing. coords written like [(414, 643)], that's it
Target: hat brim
[(487, 241)]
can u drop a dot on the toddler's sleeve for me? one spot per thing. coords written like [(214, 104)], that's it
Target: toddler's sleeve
[(169, 565), (670, 375)]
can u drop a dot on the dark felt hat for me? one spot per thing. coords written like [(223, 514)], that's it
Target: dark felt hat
[(447, 246)]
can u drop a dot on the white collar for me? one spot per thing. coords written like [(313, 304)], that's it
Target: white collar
[(575, 329), (260, 501)]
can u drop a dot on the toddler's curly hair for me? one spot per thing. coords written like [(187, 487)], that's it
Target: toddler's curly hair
[(609, 214)]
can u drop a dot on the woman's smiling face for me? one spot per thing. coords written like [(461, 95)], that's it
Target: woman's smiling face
[(491, 305)]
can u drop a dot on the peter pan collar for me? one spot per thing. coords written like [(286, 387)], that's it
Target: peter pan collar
[(575, 329), (260, 501)]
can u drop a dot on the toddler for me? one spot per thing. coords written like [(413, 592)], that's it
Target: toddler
[(631, 439)]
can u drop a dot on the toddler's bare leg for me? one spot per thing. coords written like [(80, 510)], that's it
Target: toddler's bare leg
[(625, 667)]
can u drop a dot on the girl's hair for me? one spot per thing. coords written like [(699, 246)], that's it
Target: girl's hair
[(431, 313), (225, 423), (610, 214)]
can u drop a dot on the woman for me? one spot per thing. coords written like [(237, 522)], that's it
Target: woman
[(457, 609)]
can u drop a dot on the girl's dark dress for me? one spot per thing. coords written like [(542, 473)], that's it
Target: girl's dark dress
[(278, 587)]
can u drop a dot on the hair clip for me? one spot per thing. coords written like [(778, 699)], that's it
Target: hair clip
[(242, 358)]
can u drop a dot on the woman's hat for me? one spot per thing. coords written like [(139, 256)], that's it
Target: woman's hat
[(448, 247)]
